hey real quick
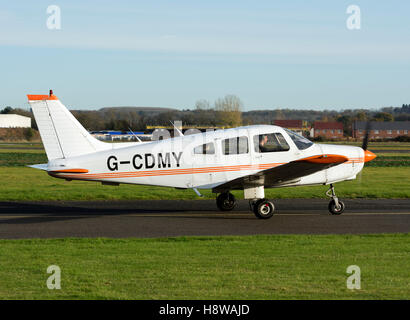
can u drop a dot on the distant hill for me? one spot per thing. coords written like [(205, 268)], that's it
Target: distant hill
[(138, 109), (139, 117), (267, 116)]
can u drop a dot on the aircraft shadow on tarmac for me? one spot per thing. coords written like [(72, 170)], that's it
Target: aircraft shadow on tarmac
[(24, 213), (40, 212)]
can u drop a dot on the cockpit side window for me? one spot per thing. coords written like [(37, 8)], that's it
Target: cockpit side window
[(301, 142), (270, 142), (207, 148)]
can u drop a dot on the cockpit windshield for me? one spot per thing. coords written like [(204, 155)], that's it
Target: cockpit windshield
[(301, 142)]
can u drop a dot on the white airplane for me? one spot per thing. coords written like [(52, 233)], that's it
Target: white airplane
[(249, 158)]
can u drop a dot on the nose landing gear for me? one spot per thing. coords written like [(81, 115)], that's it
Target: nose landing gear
[(336, 206)]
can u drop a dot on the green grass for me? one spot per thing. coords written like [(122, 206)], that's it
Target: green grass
[(390, 144), (375, 146), (15, 159), (393, 154), (251, 267), (390, 161), (20, 145), (23, 154), (387, 176), (20, 151), (30, 184)]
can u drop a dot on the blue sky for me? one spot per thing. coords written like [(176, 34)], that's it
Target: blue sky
[(272, 54)]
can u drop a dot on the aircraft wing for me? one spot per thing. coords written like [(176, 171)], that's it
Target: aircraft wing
[(284, 174)]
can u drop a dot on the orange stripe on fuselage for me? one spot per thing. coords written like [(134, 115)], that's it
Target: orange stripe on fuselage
[(166, 172)]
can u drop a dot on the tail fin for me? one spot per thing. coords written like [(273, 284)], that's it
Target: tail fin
[(63, 136)]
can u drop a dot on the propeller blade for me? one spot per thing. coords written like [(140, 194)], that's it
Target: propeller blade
[(366, 137)]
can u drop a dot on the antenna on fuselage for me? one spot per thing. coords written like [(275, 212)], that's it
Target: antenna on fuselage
[(139, 140), (177, 129)]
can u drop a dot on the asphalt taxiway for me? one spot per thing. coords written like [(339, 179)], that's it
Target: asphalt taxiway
[(168, 218)]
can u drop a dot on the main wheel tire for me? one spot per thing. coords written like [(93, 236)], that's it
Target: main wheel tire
[(226, 201), (336, 210), (264, 209)]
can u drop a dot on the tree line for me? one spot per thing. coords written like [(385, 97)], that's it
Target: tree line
[(224, 112)]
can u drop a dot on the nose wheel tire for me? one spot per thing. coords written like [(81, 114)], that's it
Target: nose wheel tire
[(263, 209), (336, 206), (226, 201), (336, 210)]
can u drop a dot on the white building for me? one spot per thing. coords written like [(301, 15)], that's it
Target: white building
[(14, 121)]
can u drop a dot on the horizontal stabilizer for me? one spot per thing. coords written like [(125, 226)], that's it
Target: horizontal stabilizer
[(42, 166), (74, 170)]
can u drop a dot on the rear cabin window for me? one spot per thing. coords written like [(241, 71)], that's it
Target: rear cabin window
[(207, 148), (238, 145), (270, 142)]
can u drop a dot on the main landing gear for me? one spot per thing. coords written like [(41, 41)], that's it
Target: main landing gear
[(226, 201), (336, 206), (262, 208)]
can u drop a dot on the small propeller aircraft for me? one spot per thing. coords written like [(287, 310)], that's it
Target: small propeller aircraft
[(249, 158)]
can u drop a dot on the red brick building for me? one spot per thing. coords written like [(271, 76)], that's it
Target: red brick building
[(298, 126), (328, 130), (381, 130)]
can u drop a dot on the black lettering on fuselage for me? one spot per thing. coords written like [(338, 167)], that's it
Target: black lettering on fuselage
[(134, 163), (147, 164), (112, 165), (177, 158), (163, 163), (146, 161)]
